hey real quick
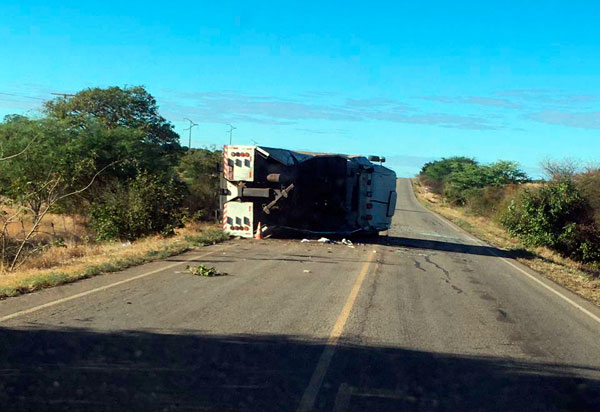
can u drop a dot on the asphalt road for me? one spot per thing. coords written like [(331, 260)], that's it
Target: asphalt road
[(426, 318)]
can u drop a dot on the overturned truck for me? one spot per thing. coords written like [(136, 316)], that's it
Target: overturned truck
[(318, 193)]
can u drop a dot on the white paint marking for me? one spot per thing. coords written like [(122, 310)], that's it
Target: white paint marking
[(513, 265), (557, 293), (99, 289)]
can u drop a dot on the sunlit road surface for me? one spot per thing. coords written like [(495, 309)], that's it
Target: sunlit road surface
[(426, 318)]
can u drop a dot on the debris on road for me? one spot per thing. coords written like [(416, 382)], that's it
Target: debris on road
[(348, 243), (327, 241), (306, 271), (202, 270)]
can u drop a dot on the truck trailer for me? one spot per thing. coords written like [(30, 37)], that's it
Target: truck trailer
[(314, 193)]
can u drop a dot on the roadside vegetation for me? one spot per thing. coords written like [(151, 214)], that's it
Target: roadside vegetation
[(91, 173), (552, 225), (206, 271)]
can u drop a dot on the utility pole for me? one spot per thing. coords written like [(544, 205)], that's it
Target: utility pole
[(231, 129), (192, 125), (64, 95)]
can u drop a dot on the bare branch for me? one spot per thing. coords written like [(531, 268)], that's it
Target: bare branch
[(560, 169), (44, 208), (21, 152), (83, 189)]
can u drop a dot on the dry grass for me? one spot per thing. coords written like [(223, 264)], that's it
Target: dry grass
[(73, 261), (71, 228), (565, 272)]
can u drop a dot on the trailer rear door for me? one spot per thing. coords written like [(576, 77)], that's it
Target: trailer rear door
[(238, 163), (238, 218)]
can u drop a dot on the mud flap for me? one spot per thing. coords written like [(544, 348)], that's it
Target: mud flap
[(238, 219)]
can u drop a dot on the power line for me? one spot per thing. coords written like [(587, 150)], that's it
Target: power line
[(21, 95)]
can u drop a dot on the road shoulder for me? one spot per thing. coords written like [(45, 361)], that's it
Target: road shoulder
[(580, 289)]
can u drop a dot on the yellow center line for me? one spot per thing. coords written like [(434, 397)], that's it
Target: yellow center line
[(312, 390), (101, 288)]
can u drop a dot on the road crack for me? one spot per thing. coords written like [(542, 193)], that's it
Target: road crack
[(418, 265), (446, 273)]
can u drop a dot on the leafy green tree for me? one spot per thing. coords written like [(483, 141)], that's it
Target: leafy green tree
[(57, 152), (198, 168), (139, 207), (50, 168), (133, 130), (439, 170), (455, 177), (505, 172), (435, 174), (156, 147), (129, 107)]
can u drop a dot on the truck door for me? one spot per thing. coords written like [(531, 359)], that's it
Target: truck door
[(238, 218), (238, 163)]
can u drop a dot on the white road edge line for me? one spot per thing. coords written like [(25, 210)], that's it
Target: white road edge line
[(99, 289), (556, 292)]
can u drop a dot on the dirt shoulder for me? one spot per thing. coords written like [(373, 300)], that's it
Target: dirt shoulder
[(69, 263), (565, 272)]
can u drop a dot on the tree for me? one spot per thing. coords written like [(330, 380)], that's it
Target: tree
[(457, 177), (8, 217), (560, 169), (198, 168), (128, 107), (50, 170), (123, 123), (505, 172), (440, 169), (435, 174)]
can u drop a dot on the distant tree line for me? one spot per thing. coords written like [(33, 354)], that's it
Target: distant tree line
[(462, 178), (106, 154), (561, 213)]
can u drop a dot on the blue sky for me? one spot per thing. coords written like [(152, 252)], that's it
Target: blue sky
[(411, 80)]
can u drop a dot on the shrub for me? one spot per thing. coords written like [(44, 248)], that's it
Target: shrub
[(198, 169), (588, 184), (556, 216), (489, 201), (144, 205)]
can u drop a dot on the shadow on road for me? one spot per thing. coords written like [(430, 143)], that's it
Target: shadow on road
[(79, 370), (444, 246)]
